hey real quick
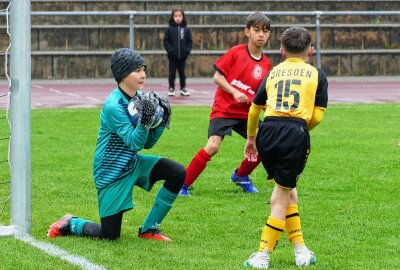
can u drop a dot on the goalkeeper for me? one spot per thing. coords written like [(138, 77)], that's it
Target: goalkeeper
[(118, 164)]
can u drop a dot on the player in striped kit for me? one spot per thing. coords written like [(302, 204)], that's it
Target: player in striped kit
[(118, 163)]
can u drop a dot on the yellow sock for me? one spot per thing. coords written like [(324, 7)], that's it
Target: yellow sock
[(271, 234), (293, 225)]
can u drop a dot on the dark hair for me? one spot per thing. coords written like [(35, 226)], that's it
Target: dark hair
[(171, 20), (296, 39), (258, 19)]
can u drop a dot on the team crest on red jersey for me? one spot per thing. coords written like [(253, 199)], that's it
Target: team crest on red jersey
[(257, 71)]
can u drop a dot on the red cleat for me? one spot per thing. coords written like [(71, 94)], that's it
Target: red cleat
[(153, 234), (60, 227)]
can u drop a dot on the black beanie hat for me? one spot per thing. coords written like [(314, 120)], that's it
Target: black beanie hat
[(124, 61)]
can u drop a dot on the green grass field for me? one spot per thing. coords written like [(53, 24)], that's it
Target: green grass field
[(349, 196)]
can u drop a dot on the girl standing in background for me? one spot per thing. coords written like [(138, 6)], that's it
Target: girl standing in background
[(178, 44)]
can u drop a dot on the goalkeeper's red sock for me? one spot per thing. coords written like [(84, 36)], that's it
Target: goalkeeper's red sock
[(246, 167), (196, 166)]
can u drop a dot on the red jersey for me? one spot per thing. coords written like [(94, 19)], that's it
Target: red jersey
[(244, 73)]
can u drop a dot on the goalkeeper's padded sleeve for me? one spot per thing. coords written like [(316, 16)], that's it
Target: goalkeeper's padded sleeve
[(316, 118), (253, 118), (154, 135)]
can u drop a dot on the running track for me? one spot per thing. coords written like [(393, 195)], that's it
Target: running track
[(92, 93)]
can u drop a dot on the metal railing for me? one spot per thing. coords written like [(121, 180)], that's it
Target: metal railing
[(132, 14)]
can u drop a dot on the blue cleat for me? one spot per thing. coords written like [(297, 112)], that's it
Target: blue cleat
[(244, 183), (184, 192)]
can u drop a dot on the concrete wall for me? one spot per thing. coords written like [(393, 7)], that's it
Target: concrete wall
[(208, 37), (200, 65), (80, 46)]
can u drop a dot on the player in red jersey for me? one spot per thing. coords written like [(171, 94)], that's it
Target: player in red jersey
[(238, 74)]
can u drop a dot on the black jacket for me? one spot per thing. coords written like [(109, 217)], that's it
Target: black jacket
[(178, 41)]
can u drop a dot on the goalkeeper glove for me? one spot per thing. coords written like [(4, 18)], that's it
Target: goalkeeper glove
[(164, 102), (146, 107)]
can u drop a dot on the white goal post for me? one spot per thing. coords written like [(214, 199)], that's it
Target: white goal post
[(20, 119)]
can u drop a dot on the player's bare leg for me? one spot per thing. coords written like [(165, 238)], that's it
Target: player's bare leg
[(213, 144)]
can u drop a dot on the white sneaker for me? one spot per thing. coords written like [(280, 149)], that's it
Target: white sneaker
[(171, 91), (304, 256), (185, 92), (259, 260)]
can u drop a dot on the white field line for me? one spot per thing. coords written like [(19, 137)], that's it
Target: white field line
[(55, 91), (72, 95), (167, 85), (50, 249), (94, 99), (7, 230), (62, 254), (358, 106)]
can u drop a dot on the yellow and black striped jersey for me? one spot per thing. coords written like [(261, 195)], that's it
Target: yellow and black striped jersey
[(292, 89)]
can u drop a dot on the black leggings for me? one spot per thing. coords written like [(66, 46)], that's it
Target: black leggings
[(180, 65), (165, 169)]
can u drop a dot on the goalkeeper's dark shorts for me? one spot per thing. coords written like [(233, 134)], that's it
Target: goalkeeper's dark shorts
[(224, 126), (283, 144)]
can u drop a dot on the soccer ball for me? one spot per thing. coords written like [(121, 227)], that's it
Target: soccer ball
[(134, 115)]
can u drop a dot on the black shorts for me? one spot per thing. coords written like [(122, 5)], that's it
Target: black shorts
[(224, 126), (283, 145)]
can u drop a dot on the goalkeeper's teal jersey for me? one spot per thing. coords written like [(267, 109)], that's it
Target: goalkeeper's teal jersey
[(118, 141)]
